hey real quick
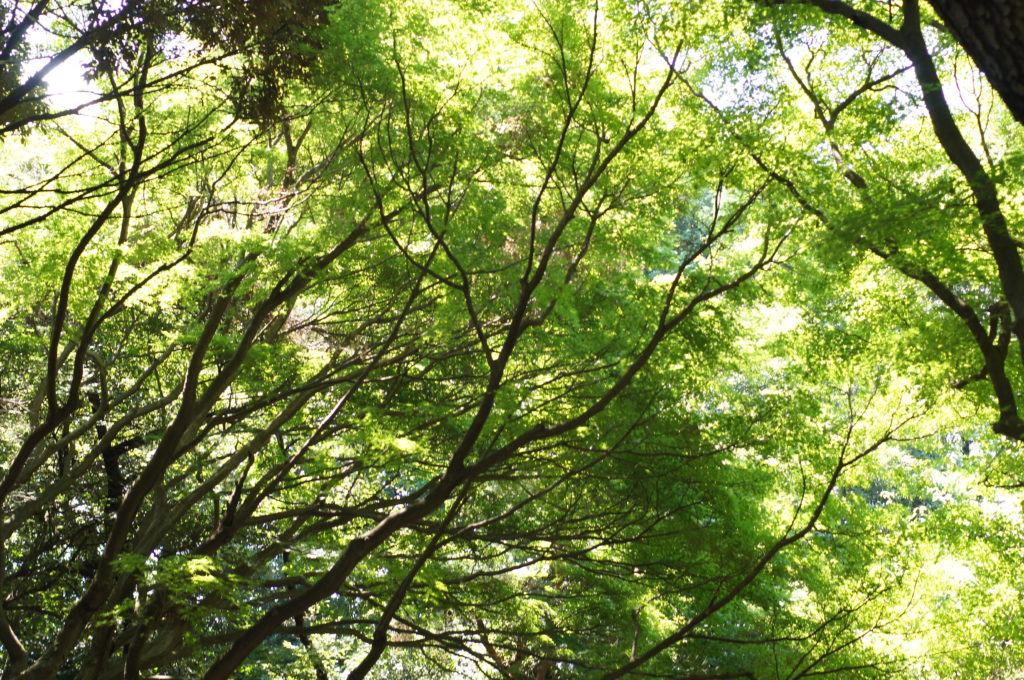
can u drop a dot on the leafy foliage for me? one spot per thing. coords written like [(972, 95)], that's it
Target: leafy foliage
[(506, 339)]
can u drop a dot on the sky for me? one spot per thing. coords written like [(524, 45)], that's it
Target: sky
[(66, 86)]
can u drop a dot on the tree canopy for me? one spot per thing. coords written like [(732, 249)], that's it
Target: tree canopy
[(503, 339)]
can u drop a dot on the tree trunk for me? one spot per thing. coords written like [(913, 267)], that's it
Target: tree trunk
[(992, 32)]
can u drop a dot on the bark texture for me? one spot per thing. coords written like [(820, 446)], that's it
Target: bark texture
[(992, 32)]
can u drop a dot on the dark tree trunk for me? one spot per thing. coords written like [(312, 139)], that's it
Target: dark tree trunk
[(992, 32)]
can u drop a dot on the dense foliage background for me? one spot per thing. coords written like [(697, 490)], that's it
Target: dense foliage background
[(501, 339)]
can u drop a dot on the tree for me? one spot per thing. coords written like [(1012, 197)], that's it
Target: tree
[(992, 323), (990, 32), (379, 345), (272, 40)]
